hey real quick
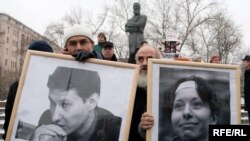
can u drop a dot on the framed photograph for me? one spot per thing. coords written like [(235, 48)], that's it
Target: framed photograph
[(59, 99), (186, 97)]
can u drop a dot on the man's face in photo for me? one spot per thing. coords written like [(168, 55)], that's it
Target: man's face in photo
[(68, 110)]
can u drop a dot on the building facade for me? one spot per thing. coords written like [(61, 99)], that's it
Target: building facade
[(15, 38)]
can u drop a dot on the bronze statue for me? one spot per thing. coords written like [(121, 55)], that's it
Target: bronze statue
[(135, 27)]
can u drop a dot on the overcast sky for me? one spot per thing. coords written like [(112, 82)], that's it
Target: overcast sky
[(37, 14)]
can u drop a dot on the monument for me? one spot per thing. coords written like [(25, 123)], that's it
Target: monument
[(135, 26)]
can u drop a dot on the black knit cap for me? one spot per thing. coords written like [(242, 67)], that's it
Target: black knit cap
[(85, 82), (40, 45), (108, 44), (247, 58)]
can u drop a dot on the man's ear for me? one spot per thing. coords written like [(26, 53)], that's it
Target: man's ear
[(93, 101)]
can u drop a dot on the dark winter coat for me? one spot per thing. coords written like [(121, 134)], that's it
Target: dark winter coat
[(247, 90), (139, 108), (9, 106), (112, 59)]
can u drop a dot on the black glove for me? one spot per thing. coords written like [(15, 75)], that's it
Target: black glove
[(83, 56)]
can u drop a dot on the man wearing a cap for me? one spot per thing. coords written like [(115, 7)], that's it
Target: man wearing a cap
[(108, 52), (74, 114), (78, 43), (246, 65)]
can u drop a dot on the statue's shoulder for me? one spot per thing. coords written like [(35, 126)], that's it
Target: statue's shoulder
[(143, 17)]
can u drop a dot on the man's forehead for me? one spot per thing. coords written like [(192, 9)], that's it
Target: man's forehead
[(78, 37), (63, 94), (147, 52), (136, 5), (146, 56)]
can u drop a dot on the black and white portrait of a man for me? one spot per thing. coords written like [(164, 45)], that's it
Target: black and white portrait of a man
[(62, 99), (74, 114)]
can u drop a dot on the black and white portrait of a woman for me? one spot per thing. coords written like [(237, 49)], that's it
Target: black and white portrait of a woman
[(187, 99)]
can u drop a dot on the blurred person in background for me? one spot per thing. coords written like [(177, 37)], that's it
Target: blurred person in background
[(37, 45), (215, 59), (108, 52), (101, 39), (246, 66), (196, 58)]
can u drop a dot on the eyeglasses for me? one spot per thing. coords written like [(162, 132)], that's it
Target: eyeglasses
[(81, 42)]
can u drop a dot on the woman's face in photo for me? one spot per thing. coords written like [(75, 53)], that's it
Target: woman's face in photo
[(190, 116)]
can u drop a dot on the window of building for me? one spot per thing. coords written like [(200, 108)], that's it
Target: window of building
[(6, 62), (7, 40), (8, 29), (13, 53), (12, 64), (7, 50), (14, 43), (23, 36)]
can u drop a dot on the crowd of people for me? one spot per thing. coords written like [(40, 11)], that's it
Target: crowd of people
[(78, 43)]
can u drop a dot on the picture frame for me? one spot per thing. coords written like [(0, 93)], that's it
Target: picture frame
[(118, 83), (224, 79)]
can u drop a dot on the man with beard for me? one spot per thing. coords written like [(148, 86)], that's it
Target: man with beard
[(141, 57)]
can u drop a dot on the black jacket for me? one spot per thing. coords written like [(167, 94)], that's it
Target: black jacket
[(9, 106), (114, 58), (107, 126), (139, 108)]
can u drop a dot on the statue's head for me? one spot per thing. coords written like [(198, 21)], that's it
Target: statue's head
[(136, 8)]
